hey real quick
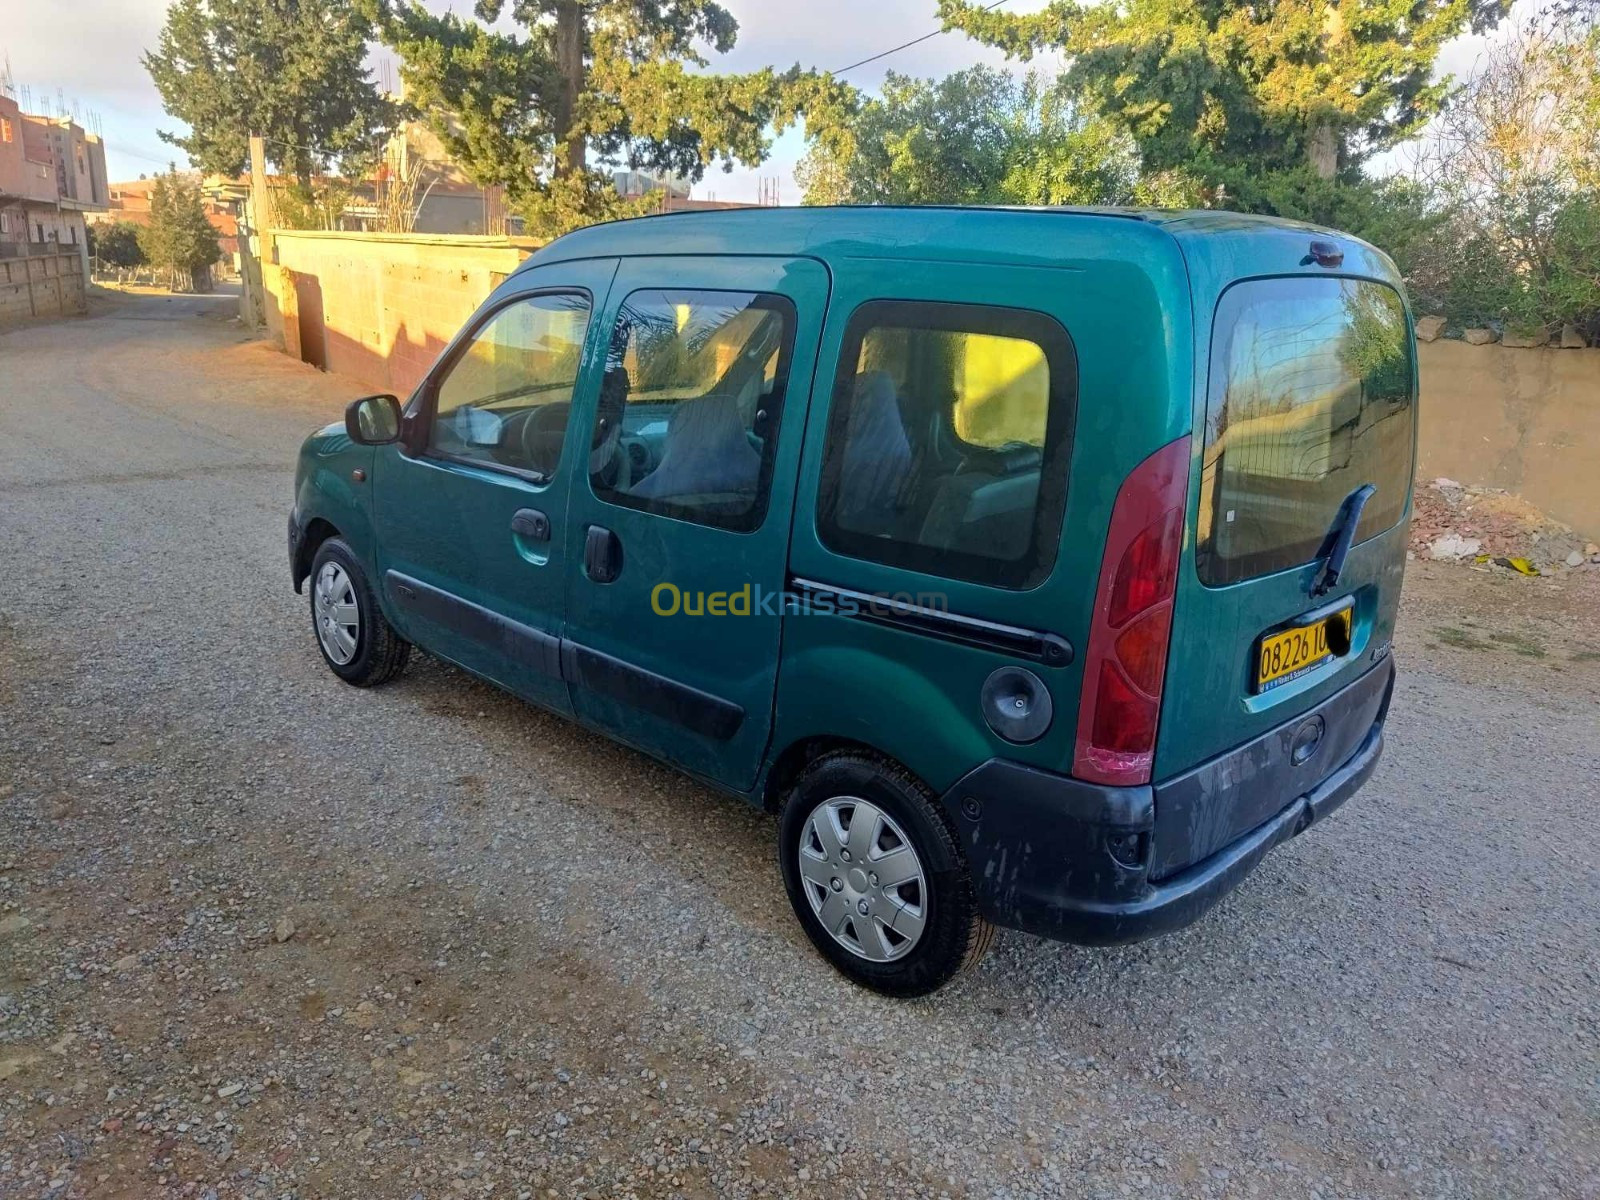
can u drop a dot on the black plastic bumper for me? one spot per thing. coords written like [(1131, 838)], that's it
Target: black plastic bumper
[(1075, 861), (298, 569)]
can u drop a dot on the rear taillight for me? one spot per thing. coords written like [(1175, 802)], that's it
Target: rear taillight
[(1127, 656)]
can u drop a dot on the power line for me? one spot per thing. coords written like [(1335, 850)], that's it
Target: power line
[(907, 45), (155, 158)]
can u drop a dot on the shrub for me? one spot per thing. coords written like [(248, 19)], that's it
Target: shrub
[(116, 244)]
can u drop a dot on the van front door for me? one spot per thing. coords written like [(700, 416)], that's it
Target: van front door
[(470, 514), (678, 534)]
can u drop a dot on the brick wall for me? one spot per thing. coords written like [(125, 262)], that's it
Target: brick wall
[(42, 285), (387, 303)]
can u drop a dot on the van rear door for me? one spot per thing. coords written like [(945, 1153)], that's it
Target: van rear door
[(1310, 388)]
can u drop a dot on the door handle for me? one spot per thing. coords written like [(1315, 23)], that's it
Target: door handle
[(602, 554), (532, 524)]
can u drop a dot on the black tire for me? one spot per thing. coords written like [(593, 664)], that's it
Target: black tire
[(954, 938), (380, 652)]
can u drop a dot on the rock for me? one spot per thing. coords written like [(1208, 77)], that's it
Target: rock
[(1429, 328), (231, 1089), (1525, 341), (1478, 337), (1572, 338), (283, 930), (1575, 559), (1591, 549), (16, 923), (128, 962), (1453, 547)]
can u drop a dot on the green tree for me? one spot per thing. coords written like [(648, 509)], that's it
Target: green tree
[(1514, 162), (1227, 90), (979, 136), (945, 141), (581, 84), (291, 70), (116, 244), (180, 238)]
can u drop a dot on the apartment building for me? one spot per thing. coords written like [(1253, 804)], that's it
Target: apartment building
[(52, 172)]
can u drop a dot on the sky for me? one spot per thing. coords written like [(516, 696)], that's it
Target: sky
[(92, 62)]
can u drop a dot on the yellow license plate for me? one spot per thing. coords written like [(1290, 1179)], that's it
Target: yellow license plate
[(1290, 654)]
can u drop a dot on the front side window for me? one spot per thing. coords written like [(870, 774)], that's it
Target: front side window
[(688, 415), (1310, 397), (504, 399), (948, 441)]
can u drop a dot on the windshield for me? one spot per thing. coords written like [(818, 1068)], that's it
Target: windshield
[(1310, 397)]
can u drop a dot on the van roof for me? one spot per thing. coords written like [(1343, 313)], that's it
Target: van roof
[(907, 231)]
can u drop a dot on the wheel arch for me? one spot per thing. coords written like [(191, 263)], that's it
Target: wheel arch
[(792, 761), (317, 531)]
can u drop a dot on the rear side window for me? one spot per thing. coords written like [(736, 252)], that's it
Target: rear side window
[(688, 415), (1310, 397), (948, 441)]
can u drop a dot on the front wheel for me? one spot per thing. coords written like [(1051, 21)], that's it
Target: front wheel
[(876, 877), (357, 643)]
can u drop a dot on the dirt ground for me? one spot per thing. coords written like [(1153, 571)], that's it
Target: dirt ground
[(262, 935), (1488, 626)]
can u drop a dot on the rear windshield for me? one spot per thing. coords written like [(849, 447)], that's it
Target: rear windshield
[(1310, 397)]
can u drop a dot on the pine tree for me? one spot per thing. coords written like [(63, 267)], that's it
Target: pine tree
[(588, 83), (1228, 90), (180, 238), (291, 70)]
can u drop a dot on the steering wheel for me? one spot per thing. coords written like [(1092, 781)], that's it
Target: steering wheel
[(547, 421)]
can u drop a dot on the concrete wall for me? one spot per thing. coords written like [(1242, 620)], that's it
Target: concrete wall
[(13, 169), (1524, 420), (44, 285), (100, 188), (388, 304), (27, 168), (43, 227)]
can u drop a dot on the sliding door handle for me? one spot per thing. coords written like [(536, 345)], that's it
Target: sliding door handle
[(602, 554)]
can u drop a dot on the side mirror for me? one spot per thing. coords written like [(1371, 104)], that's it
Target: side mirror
[(373, 420)]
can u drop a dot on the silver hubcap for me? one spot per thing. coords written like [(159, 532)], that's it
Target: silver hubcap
[(863, 879), (333, 604)]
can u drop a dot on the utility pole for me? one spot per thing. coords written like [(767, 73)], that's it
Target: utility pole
[(260, 201), (251, 299)]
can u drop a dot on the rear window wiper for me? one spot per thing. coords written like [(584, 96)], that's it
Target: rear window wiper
[(1341, 536)]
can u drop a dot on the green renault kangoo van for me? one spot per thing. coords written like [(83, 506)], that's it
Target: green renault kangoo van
[(1037, 568)]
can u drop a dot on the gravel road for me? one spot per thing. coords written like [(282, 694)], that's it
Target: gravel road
[(265, 935)]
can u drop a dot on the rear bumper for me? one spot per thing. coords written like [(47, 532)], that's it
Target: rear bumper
[(1074, 861)]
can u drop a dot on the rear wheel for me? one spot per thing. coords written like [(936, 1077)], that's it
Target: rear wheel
[(876, 877), (357, 643)]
